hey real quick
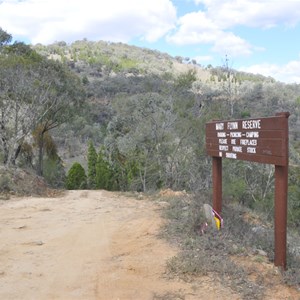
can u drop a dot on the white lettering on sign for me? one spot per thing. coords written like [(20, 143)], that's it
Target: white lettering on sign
[(235, 134), (223, 141), (223, 148), (251, 124), (245, 142), (252, 134), (251, 150), (231, 155), (252, 143), (221, 134), (232, 125), (237, 149), (233, 141), (219, 126)]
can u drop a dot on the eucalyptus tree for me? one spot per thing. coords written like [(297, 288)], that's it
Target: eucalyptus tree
[(141, 133), (19, 98), (63, 96), (152, 132), (34, 91), (5, 38)]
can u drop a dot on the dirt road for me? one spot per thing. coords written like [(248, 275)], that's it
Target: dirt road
[(87, 245)]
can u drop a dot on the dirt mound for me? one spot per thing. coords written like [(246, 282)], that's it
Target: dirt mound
[(20, 182), (171, 193)]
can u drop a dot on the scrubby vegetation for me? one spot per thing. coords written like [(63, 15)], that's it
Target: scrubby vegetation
[(220, 254), (76, 178), (134, 120)]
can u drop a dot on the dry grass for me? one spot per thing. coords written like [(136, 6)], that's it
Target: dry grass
[(222, 254)]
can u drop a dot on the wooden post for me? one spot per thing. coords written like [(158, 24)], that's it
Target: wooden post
[(217, 183), (281, 188), (280, 207)]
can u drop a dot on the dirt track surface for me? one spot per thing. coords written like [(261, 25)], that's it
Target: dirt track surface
[(86, 245), (90, 245)]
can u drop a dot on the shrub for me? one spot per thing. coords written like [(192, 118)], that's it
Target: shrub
[(213, 253), (54, 172), (92, 161), (5, 183), (103, 172), (76, 178)]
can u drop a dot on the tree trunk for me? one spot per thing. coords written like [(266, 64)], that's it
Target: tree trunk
[(17, 152), (4, 140), (5, 151), (41, 154)]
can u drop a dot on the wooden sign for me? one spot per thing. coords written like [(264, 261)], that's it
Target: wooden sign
[(260, 140), (263, 140)]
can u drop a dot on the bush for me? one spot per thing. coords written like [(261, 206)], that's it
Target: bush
[(76, 178), (54, 172), (103, 172), (5, 183), (92, 161)]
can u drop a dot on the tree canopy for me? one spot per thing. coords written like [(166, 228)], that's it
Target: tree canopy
[(34, 91)]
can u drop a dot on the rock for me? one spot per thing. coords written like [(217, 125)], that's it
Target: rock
[(261, 252), (38, 243)]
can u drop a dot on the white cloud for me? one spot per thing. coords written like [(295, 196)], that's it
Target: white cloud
[(194, 28), (197, 28), (228, 43), (252, 13), (289, 73), (203, 58), (214, 24), (45, 21)]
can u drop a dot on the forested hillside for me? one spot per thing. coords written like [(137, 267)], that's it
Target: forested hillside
[(134, 119)]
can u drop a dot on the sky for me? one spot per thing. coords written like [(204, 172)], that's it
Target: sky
[(257, 36)]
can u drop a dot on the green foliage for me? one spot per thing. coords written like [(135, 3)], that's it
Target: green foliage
[(186, 80), (85, 80), (245, 114), (294, 196), (54, 172), (43, 141), (251, 184), (92, 163), (5, 183), (26, 155), (132, 172), (103, 172), (20, 49), (127, 63), (5, 38), (35, 92), (76, 177), (235, 189)]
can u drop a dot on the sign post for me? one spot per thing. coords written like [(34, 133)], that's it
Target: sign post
[(263, 140), (217, 183)]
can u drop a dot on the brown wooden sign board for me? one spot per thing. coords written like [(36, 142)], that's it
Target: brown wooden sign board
[(260, 140), (263, 140)]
